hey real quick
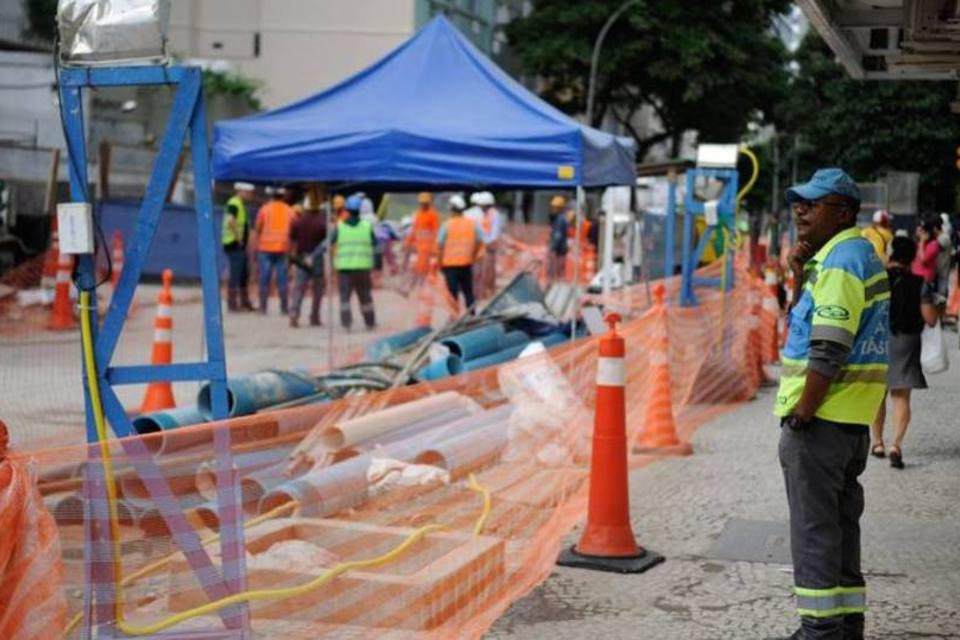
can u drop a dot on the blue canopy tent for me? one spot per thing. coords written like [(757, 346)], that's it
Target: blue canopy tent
[(435, 112)]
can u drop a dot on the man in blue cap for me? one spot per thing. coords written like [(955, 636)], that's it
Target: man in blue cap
[(831, 385), (354, 248)]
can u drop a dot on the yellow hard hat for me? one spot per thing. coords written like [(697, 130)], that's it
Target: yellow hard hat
[(425, 198), (338, 202), (558, 201)]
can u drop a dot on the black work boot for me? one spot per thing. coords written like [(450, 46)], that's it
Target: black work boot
[(232, 300)]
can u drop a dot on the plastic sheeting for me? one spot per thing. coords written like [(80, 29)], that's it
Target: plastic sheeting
[(433, 112)]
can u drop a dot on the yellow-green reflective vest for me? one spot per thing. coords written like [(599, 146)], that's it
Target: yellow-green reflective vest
[(227, 235), (846, 300), (354, 247)]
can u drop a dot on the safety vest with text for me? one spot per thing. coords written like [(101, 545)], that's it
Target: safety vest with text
[(460, 244), (845, 300), (273, 227), (354, 247), (229, 235)]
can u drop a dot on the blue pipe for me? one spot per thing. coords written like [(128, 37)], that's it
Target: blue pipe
[(497, 357), (248, 394), (553, 339), (475, 343), (512, 339), (168, 419), (387, 346), (449, 366)]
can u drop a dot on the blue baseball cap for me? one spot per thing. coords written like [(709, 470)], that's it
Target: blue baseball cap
[(353, 203), (823, 183)]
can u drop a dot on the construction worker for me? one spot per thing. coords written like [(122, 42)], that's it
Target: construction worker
[(459, 242), (340, 212), (273, 243), (354, 246), (233, 237), (833, 381), (879, 234), (307, 246), (491, 224), (557, 247), (422, 237)]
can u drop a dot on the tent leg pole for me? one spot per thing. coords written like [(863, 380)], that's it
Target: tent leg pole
[(576, 262), (331, 280)]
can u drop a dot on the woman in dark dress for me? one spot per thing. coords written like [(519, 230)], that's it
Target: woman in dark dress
[(906, 325)]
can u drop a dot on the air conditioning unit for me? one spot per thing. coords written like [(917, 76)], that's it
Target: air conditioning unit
[(94, 32)]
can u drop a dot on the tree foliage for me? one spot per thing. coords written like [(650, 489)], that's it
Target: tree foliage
[(869, 127), (708, 66)]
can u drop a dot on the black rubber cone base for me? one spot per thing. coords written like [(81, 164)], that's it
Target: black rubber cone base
[(628, 564)]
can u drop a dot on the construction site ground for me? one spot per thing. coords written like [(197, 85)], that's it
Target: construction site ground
[(680, 507)]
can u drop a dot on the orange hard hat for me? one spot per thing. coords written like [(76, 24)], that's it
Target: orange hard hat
[(338, 202), (425, 198), (558, 201)]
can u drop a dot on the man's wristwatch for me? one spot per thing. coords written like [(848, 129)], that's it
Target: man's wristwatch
[(796, 423)]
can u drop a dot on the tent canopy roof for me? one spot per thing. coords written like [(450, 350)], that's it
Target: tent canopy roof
[(435, 112)]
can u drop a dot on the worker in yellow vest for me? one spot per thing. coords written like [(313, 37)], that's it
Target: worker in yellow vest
[(879, 234), (459, 241), (233, 237), (354, 247), (273, 245)]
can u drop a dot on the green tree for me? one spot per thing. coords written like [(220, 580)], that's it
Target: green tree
[(870, 127), (708, 66)]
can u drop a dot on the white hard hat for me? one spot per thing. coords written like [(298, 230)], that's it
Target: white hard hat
[(485, 199), (475, 197), (457, 202), (880, 216), (243, 186)]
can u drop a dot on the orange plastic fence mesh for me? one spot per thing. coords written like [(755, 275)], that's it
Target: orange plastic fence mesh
[(523, 428)]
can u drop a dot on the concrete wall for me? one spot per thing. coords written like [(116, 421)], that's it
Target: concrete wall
[(28, 103), (294, 47)]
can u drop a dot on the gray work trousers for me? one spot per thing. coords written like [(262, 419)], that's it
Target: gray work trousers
[(359, 282), (821, 464)]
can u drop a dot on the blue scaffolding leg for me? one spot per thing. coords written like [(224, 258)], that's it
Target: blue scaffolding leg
[(670, 231), (187, 118)]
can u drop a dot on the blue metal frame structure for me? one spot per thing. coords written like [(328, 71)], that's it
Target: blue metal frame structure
[(187, 118), (692, 208)]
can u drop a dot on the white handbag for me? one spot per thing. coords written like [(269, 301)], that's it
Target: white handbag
[(933, 350)]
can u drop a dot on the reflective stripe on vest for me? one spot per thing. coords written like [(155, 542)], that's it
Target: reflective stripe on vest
[(228, 236), (275, 227), (354, 247), (845, 300), (827, 603), (460, 245)]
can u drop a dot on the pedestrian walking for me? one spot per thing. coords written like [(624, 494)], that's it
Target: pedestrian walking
[(307, 247), (831, 386), (905, 373), (879, 234), (944, 258), (459, 241), (925, 265), (557, 248), (233, 237), (422, 239), (273, 244), (354, 246)]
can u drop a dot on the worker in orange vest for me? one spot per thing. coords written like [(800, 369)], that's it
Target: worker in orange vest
[(422, 237), (459, 242), (273, 244)]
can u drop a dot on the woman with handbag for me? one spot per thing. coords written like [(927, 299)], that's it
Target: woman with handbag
[(906, 325)]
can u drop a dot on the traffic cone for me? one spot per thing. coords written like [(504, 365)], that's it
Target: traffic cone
[(659, 435), (61, 314), (608, 543), (160, 394)]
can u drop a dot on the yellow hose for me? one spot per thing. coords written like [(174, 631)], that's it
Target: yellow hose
[(245, 596)]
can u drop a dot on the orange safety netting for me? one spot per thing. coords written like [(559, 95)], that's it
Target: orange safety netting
[(350, 480)]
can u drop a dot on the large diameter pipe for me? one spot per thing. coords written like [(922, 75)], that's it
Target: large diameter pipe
[(498, 357), (475, 343), (386, 347), (470, 449), (247, 463), (512, 339), (248, 394), (443, 368), (349, 433), (327, 490)]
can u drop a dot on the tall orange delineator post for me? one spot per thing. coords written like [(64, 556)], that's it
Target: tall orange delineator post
[(61, 314), (116, 259), (160, 394), (608, 543), (659, 435)]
